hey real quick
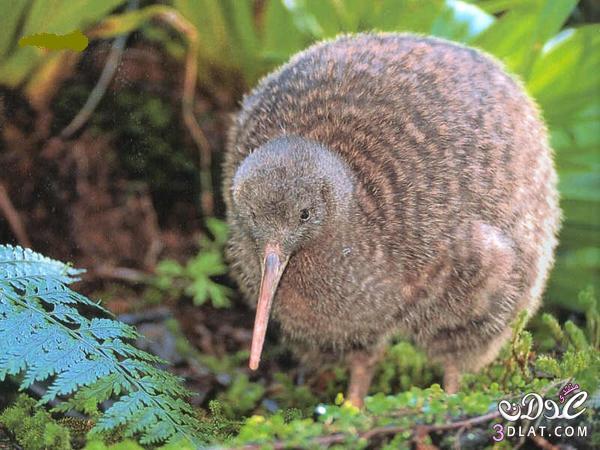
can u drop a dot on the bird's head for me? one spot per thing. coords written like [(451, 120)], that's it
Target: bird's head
[(286, 194)]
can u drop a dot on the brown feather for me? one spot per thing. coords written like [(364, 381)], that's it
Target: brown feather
[(440, 213)]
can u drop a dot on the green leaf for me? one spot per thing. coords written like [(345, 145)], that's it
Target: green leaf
[(565, 79), (576, 336), (218, 295), (169, 267), (206, 263), (9, 23), (582, 185), (18, 66), (218, 229), (280, 35), (325, 14), (519, 35), (552, 324), (44, 16), (460, 21), (198, 289), (63, 16), (243, 35), (126, 22), (242, 396), (548, 365), (208, 16), (407, 15), (497, 6)]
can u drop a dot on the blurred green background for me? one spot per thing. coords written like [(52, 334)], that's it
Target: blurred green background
[(552, 45)]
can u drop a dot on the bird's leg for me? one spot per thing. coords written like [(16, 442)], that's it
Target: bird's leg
[(362, 365), (451, 378)]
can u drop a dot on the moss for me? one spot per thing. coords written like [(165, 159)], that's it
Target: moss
[(402, 367), (33, 428)]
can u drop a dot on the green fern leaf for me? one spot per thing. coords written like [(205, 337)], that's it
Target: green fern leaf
[(87, 398), (16, 262), (45, 337)]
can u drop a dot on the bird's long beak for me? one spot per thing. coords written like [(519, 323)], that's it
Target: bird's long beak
[(273, 266)]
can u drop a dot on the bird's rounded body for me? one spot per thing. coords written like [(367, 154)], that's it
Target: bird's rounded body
[(454, 212)]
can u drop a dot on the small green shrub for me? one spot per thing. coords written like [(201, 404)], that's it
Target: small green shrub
[(34, 428), (195, 278)]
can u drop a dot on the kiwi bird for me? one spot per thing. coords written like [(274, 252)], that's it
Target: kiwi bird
[(383, 184)]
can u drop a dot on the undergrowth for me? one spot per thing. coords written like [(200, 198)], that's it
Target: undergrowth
[(45, 338), (34, 428), (422, 414), (82, 362), (196, 278)]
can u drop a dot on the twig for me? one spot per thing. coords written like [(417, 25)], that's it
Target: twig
[(456, 445), (121, 273), (13, 218), (187, 106), (96, 95), (461, 423), (153, 230), (521, 442), (159, 314), (420, 430), (543, 443)]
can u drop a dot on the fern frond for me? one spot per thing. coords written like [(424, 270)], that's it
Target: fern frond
[(16, 262), (44, 337)]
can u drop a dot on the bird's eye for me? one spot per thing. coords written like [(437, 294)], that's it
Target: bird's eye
[(304, 215)]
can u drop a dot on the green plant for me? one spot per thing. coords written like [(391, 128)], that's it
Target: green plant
[(402, 367), (195, 277), (560, 352), (291, 396), (23, 18), (129, 444), (395, 421), (45, 337), (241, 397), (241, 40), (581, 358), (34, 429)]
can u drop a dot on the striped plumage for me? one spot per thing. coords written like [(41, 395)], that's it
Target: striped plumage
[(449, 226)]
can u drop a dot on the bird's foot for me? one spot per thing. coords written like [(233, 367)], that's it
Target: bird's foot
[(362, 367), (451, 378)]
